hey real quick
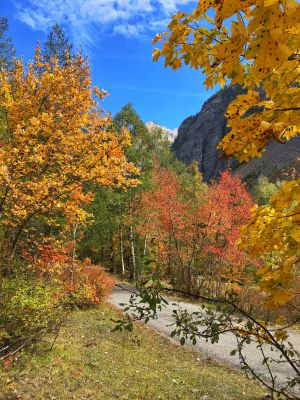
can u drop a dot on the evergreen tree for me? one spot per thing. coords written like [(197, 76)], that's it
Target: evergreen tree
[(7, 54), (57, 45), (129, 118), (7, 50)]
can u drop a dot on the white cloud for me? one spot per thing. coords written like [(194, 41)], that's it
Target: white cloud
[(127, 30), (131, 18), (170, 6)]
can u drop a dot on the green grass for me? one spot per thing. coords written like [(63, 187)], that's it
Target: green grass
[(90, 362)]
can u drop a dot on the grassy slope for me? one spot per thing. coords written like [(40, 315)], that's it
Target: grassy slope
[(90, 362)]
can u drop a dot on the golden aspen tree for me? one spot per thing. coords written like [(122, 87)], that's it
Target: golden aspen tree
[(53, 139)]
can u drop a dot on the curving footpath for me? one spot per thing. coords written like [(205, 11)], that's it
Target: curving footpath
[(219, 351)]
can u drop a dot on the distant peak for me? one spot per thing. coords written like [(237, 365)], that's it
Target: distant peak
[(170, 133)]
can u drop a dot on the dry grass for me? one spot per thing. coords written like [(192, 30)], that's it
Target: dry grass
[(90, 362)]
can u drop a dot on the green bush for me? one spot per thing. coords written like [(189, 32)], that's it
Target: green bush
[(264, 190), (28, 308)]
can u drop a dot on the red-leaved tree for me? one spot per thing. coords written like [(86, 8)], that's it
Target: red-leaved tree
[(191, 231)]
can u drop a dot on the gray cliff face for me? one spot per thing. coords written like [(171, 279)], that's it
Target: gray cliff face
[(199, 135)]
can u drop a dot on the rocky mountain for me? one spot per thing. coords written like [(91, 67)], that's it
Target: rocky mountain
[(199, 135), (170, 133)]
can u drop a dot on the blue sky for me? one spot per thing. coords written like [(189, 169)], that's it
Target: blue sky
[(116, 35)]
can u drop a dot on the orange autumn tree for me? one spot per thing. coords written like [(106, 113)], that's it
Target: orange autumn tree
[(191, 230), (53, 139), (167, 223), (227, 209)]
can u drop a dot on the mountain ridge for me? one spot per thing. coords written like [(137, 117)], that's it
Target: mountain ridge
[(198, 136)]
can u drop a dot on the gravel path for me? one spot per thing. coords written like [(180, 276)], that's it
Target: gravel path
[(219, 351)]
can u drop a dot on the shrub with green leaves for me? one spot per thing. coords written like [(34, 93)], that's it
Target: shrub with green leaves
[(264, 190), (28, 308)]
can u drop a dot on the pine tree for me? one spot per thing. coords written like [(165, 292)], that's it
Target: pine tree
[(57, 46), (7, 50)]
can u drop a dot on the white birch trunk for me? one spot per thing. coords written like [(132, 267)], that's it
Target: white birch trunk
[(122, 250), (133, 253)]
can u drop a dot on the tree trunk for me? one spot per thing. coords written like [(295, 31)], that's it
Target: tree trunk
[(133, 253), (111, 254), (145, 244), (73, 255), (146, 237), (122, 250), (190, 277)]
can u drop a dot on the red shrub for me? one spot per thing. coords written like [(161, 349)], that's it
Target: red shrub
[(82, 283)]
